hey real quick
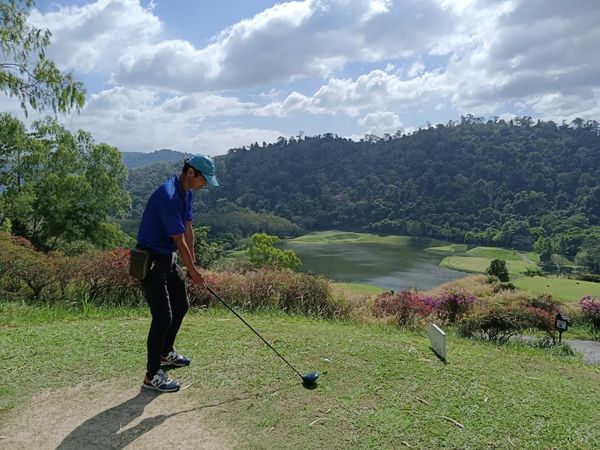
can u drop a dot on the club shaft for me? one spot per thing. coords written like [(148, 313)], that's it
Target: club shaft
[(250, 326)]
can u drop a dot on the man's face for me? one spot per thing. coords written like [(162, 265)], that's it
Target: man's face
[(196, 181)]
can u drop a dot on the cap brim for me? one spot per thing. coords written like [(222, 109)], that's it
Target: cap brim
[(211, 179)]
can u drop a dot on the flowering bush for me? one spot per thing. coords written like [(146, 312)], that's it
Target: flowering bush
[(406, 306), (591, 311), (451, 306)]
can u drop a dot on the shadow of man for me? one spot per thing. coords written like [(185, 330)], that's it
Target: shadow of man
[(103, 430)]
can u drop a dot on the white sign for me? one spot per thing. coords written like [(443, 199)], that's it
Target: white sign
[(438, 340)]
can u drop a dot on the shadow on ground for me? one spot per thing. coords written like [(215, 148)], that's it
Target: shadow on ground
[(108, 429)]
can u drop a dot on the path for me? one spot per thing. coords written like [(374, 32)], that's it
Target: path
[(590, 350), (113, 416)]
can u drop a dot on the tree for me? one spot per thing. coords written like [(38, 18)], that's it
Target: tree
[(61, 187), (207, 252), (25, 72), (262, 253), (498, 269), (589, 256), (543, 246)]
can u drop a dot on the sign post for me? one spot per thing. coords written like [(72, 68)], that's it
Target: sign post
[(562, 324), (437, 338)]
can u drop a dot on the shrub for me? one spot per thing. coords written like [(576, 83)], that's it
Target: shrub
[(499, 287), (591, 311), (25, 271), (405, 307), (104, 277), (500, 322), (451, 306), (282, 290), (498, 269), (592, 277), (533, 273), (545, 302)]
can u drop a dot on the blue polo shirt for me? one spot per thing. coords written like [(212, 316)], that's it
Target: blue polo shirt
[(166, 212)]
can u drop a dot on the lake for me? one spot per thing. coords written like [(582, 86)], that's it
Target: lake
[(398, 264)]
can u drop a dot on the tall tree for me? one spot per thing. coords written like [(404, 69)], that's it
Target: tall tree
[(25, 72), (64, 187)]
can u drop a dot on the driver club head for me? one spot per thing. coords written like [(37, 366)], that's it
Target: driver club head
[(310, 378)]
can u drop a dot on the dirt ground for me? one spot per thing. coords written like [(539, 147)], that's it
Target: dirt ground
[(112, 416)]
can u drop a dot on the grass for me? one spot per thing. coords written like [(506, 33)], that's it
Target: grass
[(478, 259), (325, 237), (452, 248), (357, 288), (380, 387), (561, 288)]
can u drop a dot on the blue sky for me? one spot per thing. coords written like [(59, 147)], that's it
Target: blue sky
[(209, 76)]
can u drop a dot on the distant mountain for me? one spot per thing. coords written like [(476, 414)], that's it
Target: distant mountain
[(139, 159)]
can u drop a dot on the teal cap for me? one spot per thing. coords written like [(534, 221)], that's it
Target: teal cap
[(206, 166)]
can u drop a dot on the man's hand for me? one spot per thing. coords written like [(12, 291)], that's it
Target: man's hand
[(196, 277)]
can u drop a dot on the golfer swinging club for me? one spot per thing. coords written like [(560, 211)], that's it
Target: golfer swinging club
[(166, 227)]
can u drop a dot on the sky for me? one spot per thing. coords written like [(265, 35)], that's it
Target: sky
[(207, 76)]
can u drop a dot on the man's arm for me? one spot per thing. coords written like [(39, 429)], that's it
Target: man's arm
[(189, 239), (186, 255)]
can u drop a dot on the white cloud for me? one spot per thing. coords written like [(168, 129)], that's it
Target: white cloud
[(375, 90), (290, 40), (139, 120), (381, 123), (91, 37), (505, 55), (416, 69)]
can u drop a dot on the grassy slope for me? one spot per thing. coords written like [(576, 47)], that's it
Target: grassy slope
[(478, 259), (357, 288), (381, 387), (562, 288), (324, 237)]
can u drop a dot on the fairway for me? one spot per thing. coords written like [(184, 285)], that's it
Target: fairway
[(562, 288), (357, 288), (380, 387), (478, 259)]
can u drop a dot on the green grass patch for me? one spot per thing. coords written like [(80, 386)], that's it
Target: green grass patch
[(452, 248), (326, 237), (479, 259), (562, 288), (495, 253), (466, 263), (360, 289), (380, 387)]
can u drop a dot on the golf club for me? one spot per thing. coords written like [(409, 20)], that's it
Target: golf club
[(308, 379)]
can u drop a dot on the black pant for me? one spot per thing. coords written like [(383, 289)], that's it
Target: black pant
[(164, 289)]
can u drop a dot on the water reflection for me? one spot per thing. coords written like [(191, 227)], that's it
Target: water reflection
[(388, 266)]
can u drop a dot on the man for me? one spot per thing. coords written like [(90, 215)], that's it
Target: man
[(166, 228)]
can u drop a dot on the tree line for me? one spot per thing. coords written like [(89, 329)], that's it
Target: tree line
[(518, 183)]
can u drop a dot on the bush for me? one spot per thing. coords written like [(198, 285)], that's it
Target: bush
[(499, 287), (24, 271), (592, 277), (282, 290), (533, 273), (498, 269), (499, 323), (451, 306), (405, 307), (591, 311), (103, 277)]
